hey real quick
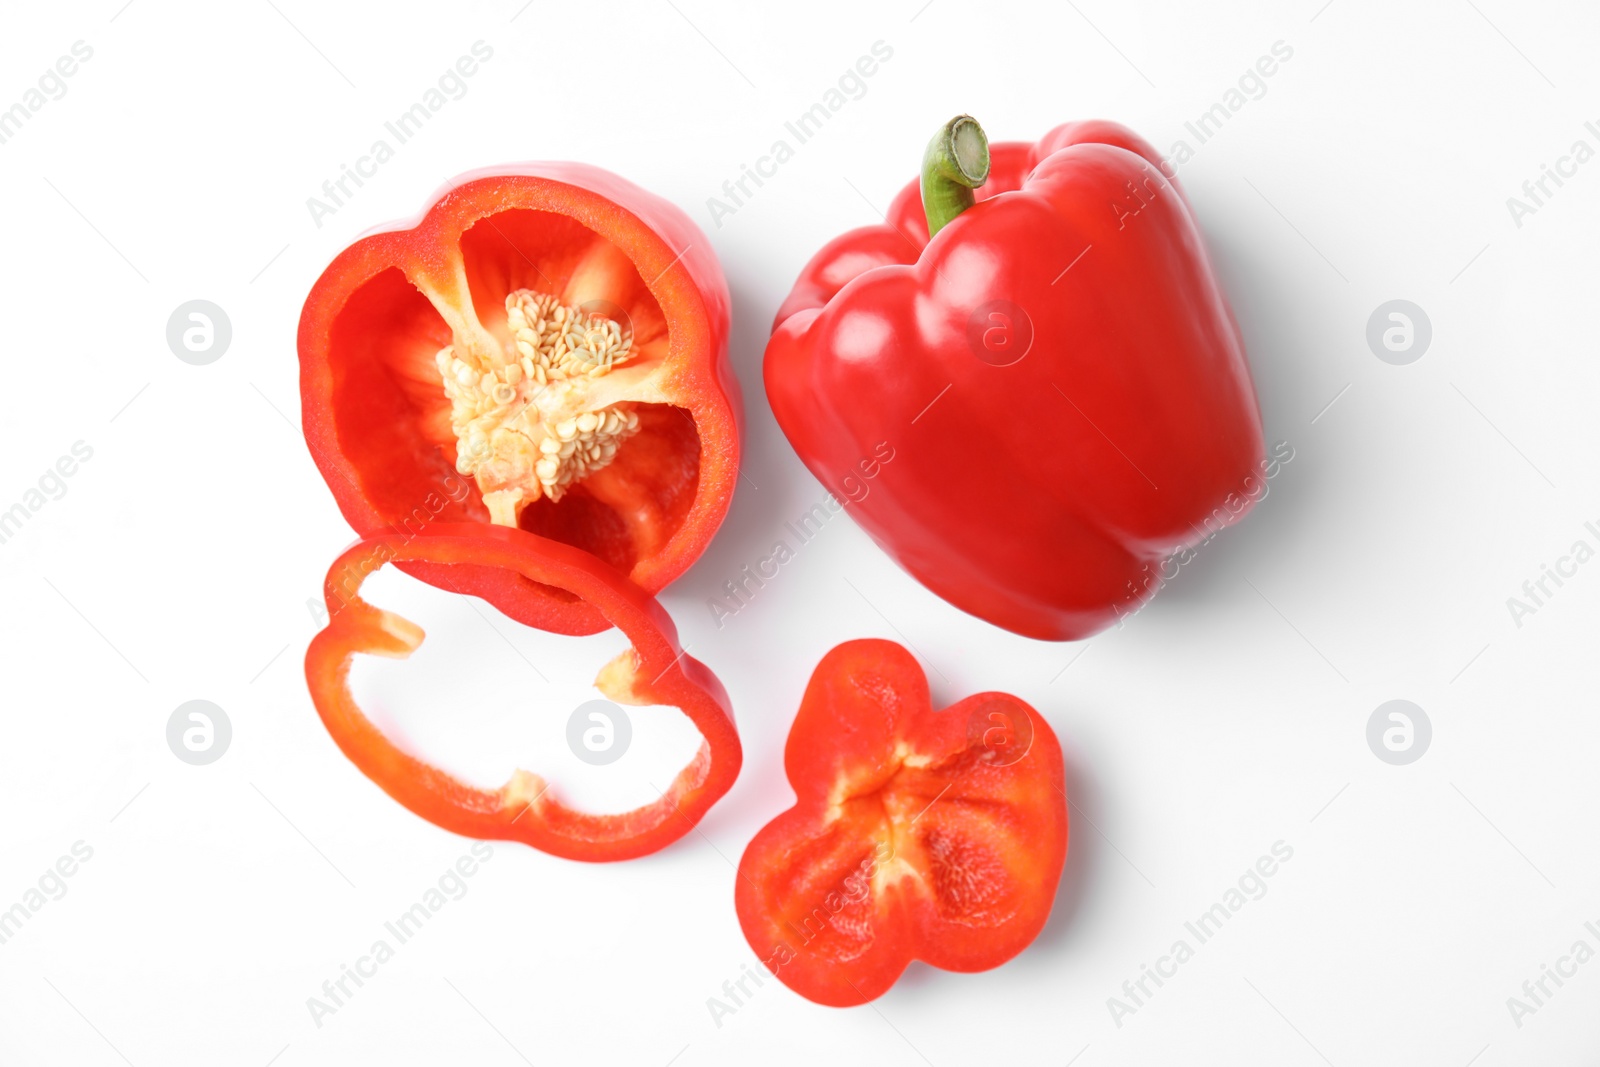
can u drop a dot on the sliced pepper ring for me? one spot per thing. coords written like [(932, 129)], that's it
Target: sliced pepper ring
[(654, 670)]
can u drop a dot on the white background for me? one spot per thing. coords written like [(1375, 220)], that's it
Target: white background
[(1229, 715)]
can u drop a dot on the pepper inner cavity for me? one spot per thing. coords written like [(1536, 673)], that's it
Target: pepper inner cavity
[(522, 427)]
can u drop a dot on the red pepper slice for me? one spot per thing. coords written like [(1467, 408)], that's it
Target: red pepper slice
[(653, 671), (545, 347), (1057, 370), (916, 834)]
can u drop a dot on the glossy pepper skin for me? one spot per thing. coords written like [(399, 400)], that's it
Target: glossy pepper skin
[(916, 834), (653, 671), (1058, 371), (374, 409)]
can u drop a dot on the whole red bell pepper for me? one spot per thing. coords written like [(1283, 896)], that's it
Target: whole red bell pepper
[(654, 670), (1056, 368), (915, 834), (544, 348)]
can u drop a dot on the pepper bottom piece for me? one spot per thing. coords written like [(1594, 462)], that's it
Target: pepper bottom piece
[(915, 835), (653, 671)]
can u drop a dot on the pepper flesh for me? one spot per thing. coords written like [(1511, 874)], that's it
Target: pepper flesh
[(915, 834), (1057, 369), (554, 334), (654, 670)]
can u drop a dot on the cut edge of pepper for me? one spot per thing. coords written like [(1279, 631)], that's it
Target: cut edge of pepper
[(680, 275)]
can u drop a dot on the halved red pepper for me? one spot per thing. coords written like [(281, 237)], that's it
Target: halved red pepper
[(544, 348), (654, 670), (916, 834)]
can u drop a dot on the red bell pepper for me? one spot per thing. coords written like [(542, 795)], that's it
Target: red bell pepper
[(915, 834), (653, 671), (1057, 369), (551, 333)]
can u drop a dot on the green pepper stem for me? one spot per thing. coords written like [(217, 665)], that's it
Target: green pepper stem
[(956, 162)]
